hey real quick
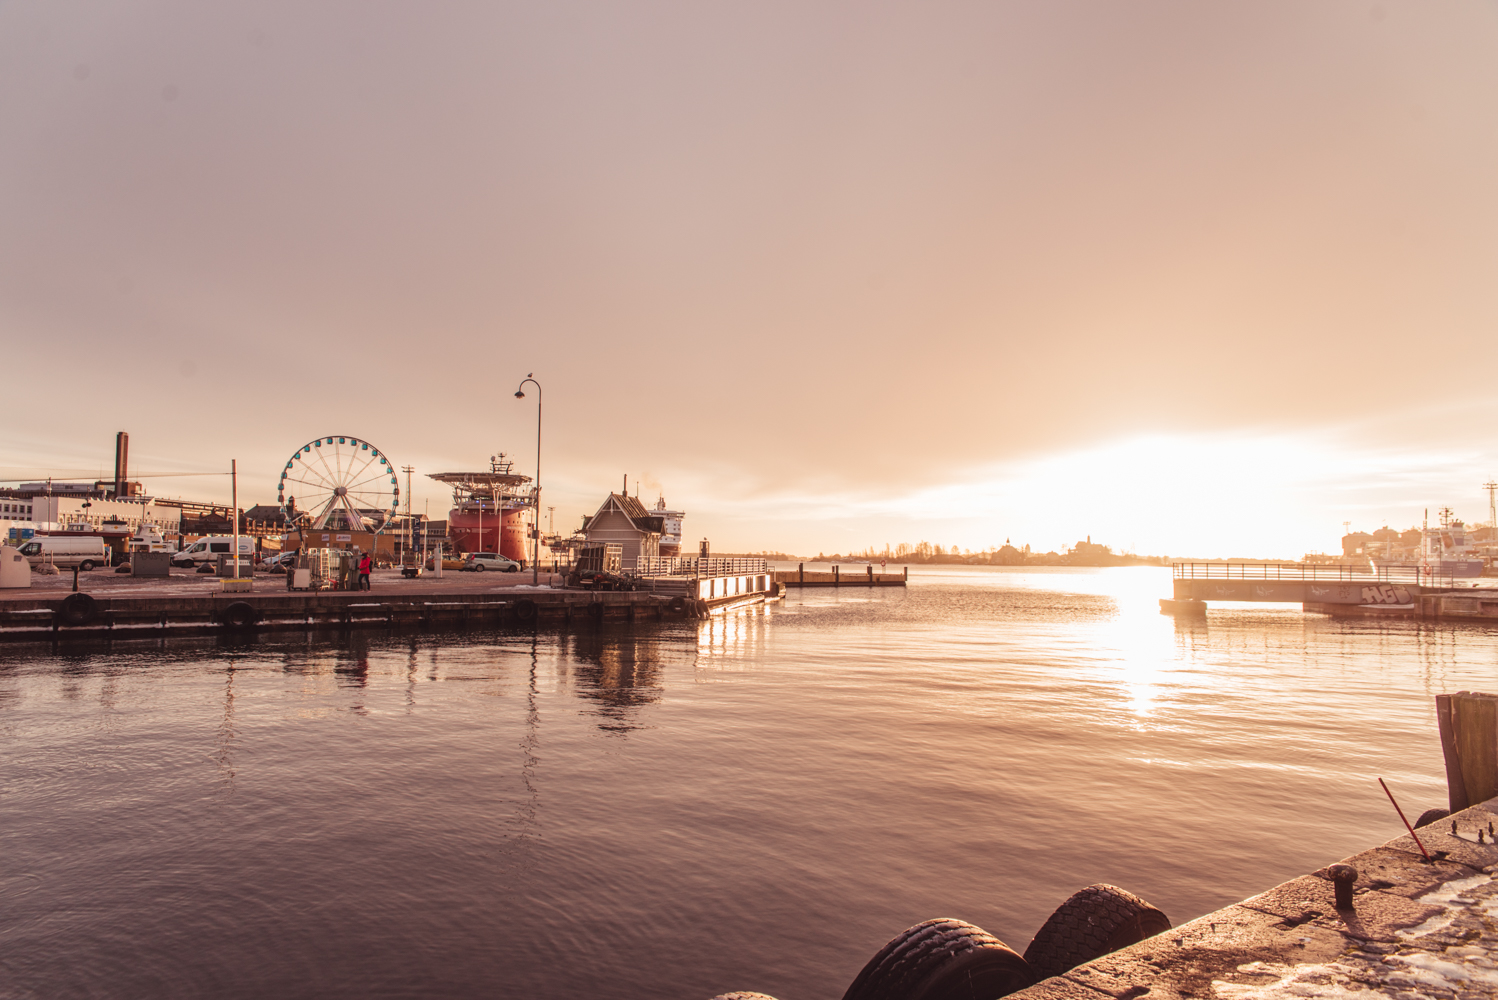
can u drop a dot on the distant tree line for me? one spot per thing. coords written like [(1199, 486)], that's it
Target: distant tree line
[(1084, 553)]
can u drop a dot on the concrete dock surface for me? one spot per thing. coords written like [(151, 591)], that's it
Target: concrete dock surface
[(1416, 931), (103, 583)]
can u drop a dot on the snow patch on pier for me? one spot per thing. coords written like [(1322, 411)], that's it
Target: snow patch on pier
[(1453, 954)]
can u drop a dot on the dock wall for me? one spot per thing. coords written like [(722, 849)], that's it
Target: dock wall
[(1295, 591), (120, 617), (1469, 605), (863, 576), (1414, 929)]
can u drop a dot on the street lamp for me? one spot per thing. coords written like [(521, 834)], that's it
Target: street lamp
[(536, 521)]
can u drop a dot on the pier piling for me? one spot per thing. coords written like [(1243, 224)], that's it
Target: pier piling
[(1468, 722)]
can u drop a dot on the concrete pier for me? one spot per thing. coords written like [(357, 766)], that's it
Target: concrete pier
[(1414, 929), (1332, 590), (841, 576), (118, 607)]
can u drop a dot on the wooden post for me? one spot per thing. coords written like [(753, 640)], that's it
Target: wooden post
[(906, 577), (836, 577), (801, 573), (1475, 724), (1468, 722), (1456, 788)]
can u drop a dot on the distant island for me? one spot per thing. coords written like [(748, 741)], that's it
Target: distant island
[(1084, 553)]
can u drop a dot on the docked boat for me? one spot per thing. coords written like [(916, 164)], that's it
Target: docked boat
[(490, 509), (1446, 551)]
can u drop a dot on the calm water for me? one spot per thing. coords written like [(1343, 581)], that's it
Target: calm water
[(755, 802)]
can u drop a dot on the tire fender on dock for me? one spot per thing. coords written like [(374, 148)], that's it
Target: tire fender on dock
[(595, 611), (78, 609), (525, 609), (1095, 921), (942, 959), (241, 614)]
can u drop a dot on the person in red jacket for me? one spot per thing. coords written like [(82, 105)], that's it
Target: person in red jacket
[(365, 565)]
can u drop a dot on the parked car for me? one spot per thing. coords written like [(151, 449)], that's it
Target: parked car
[(478, 562), (209, 548), (280, 562), (65, 552)]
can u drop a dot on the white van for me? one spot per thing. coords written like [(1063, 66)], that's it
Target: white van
[(66, 551), (208, 548)]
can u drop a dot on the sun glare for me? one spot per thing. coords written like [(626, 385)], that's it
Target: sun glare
[(1274, 496)]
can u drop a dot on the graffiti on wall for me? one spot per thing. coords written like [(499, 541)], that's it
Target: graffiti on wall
[(1386, 593)]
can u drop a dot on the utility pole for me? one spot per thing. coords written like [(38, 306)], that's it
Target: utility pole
[(406, 545), (1492, 488), (234, 498)]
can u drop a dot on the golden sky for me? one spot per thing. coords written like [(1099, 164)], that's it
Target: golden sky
[(1186, 277)]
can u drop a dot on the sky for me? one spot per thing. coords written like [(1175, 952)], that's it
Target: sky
[(1186, 278)]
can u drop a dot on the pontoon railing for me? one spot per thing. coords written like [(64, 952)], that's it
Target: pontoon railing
[(702, 568), (1330, 572)]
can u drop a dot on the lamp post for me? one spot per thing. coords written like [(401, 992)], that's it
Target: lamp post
[(536, 521)]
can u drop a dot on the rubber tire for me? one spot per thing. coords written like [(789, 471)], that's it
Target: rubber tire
[(595, 611), (1430, 816), (478, 569), (241, 614), (1095, 921), (78, 609), (512, 569), (86, 566), (942, 959), (678, 604), (525, 610), (187, 565)]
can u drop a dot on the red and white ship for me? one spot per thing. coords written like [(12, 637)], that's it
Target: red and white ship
[(489, 509)]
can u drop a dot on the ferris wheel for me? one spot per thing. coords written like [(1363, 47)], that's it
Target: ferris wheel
[(338, 481)]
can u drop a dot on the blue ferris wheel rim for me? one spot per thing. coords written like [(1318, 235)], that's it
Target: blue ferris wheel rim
[(336, 440)]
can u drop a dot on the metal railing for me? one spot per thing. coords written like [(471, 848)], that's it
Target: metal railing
[(1296, 572), (696, 566)]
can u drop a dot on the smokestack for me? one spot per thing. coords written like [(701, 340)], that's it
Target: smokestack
[(121, 462), (626, 484)]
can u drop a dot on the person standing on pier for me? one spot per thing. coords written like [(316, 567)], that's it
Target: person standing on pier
[(365, 565)]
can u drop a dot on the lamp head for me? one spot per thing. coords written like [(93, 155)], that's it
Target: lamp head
[(519, 394)]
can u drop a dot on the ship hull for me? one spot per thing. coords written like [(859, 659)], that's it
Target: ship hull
[(505, 535)]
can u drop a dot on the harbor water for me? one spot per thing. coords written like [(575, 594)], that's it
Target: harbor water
[(756, 802)]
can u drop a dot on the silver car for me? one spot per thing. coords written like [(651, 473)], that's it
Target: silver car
[(478, 562)]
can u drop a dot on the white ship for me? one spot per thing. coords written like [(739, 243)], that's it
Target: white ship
[(670, 528)]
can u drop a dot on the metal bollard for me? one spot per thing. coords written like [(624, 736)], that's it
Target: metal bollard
[(1343, 876)]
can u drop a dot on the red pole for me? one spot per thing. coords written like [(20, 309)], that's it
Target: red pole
[(1406, 822)]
